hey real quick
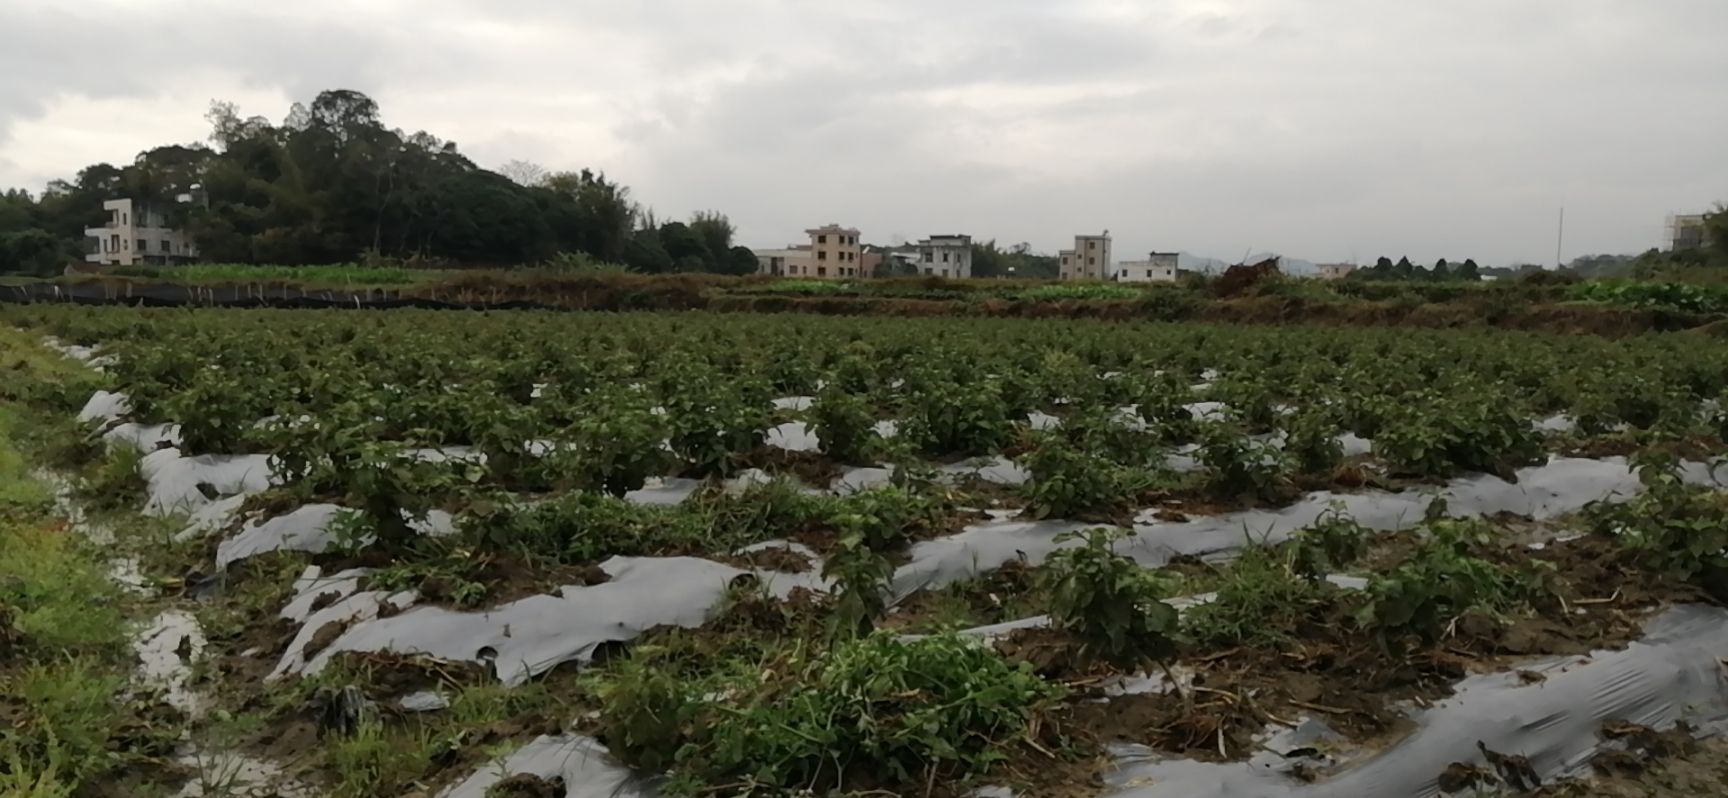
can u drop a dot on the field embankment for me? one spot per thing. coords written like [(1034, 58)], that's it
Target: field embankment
[(1606, 308)]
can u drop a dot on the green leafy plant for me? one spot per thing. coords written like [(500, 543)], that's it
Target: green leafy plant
[(860, 575), (875, 710), (1069, 481), (1238, 466), (1334, 541), (1108, 602), (1441, 581), (615, 448), (1311, 443), (948, 418), (1672, 528), (843, 425), (1264, 597), (1435, 436)]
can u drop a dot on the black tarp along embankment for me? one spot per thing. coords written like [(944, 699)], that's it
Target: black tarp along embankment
[(226, 296), (282, 295)]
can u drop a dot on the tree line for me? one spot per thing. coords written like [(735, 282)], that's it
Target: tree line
[(332, 183), (1385, 269)]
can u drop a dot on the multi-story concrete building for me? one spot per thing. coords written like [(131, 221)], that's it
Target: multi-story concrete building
[(1088, 260), (1686, 231), (833, 254), (945, 256), (136, 233), (1160, 267), (1334, 271)]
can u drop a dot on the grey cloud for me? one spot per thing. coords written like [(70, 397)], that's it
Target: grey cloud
[(107, 51), (1313, 127)]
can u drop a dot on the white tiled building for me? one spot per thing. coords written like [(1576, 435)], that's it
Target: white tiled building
[(135, 234), (1160, 267), (945, 256)]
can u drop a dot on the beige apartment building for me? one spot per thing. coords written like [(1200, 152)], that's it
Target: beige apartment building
[(1089, 259), (136, 233), (832, 254)]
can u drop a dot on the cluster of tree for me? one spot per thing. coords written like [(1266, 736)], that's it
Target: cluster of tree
[(990, 260), (27, 243), (1385, 269), (332, 183)]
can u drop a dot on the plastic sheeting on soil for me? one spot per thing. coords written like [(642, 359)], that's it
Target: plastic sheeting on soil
[(583, 763), (1560, 486), (530, 636), (1672, 674), (313, 584), (105, 406), (178, 484), (308, 528), (144, 437), (166, 649), (1180, 603)]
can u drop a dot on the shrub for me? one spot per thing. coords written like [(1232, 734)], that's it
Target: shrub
[(1107, 601)]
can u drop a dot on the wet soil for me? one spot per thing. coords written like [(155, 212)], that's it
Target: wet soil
[(993, 597), (771, 558), (811, 468), (1327, 667)]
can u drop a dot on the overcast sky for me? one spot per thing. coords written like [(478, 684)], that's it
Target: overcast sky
[(1322, 129)]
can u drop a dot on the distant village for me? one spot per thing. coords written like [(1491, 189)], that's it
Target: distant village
[(138, 234), (836, 253)]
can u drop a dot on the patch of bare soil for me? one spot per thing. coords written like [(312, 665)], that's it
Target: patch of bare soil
[(770, 558), (527, 785), (505, 577), (388, 675), (1634, 762), (811, 468), (990, 598)]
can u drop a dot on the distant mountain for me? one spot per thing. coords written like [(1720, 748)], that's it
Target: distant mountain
[(1188, 261)]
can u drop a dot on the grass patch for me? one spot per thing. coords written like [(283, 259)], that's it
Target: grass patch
[(114, 482), (65, 722), (1055, 292)]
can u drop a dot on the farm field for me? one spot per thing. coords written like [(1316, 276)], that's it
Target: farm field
[(467, 554)]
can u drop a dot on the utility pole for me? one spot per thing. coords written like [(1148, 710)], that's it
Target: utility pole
[(1560, 241)]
